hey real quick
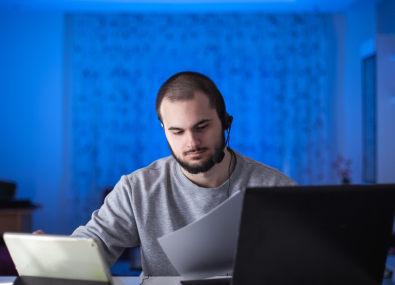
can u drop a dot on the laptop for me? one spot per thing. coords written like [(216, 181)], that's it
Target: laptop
[(52, 259), (313, 235)]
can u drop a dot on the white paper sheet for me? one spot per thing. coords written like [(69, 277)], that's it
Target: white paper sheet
[(206, 247)]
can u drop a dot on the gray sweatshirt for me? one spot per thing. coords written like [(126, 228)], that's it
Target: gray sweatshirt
[(157, 200)]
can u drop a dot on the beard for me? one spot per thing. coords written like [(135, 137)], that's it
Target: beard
[(205, 164)]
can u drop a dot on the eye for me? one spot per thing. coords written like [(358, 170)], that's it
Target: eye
[(178, 133), (202, 127)]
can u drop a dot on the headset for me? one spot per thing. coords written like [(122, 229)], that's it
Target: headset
[(219, 155), (226, 121)]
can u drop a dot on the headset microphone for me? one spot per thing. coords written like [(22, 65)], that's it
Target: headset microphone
[(218, 156)]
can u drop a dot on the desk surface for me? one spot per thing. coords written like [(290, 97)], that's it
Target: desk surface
[(7, 280), (121, 280), (136, 281)]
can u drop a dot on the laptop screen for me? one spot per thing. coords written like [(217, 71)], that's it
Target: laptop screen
[(314, 235)]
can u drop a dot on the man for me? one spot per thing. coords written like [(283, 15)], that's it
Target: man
[(177, 190)]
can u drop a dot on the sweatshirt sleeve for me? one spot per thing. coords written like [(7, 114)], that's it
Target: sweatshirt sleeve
[(114, 224)]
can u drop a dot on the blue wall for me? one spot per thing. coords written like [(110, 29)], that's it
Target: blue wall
[(361, 26), (31, 109), (386, 21)]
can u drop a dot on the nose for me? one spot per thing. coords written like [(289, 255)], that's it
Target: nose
[(193, 140)]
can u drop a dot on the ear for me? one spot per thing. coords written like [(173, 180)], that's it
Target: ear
[(161, 124)]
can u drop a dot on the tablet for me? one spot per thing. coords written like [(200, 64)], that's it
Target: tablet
[(61, 257)]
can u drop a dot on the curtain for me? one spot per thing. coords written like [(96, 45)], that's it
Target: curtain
[(271, 70)]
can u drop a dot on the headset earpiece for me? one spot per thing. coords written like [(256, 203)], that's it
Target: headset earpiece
[(226, 124), (227, 121)]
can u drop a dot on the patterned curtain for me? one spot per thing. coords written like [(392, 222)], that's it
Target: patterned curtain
[(271, 70)]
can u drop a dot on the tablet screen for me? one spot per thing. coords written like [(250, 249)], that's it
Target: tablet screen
[(55, 256)]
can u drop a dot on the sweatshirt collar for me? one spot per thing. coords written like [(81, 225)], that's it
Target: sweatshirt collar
[(190, 185)]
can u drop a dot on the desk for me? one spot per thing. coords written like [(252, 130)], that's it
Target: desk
[(136, 281), (126, 280), (7, 280)]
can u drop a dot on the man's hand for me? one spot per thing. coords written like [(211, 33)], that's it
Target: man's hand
[(39, 232)]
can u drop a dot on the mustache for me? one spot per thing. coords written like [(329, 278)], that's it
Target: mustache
[(195, 150)]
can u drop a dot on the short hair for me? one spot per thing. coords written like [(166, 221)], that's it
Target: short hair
[(182, 87)]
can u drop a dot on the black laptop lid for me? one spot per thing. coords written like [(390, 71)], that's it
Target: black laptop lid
[(314, 235)]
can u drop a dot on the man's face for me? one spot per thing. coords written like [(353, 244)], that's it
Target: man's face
[(193, 131)]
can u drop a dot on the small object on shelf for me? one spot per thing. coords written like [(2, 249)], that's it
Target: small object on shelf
[(343, 169)]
